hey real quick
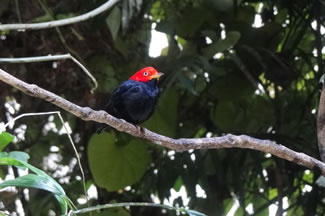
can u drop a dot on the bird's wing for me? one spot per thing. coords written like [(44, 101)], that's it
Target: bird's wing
[(123, 93)]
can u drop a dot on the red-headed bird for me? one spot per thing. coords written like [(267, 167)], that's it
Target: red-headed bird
[(135, 99)]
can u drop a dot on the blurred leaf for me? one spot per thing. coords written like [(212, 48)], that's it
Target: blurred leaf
[(165, 27), (221, 45), (5, 139), (232, 86), (222, 5), (321, 181), (273, 192), (3, 5), (178, 183), (32, 181), (259, 202), (113, 21), (227, 204), (164, 120), (18, 155), (114, 166), (193, 213), (44, 18), (105, 73), (192, 19), (308, 177), (239, 212), (65, 16), (224, 115)]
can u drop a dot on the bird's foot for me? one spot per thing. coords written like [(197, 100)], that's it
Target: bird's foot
[(139, 129)]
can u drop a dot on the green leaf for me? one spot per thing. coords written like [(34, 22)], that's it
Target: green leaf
[(221, 45), (227, 205), (113, 21), (273, 193), (5, 139), (39, 181), (239, 212), (178, 183), (22, 156), (115, 166), (32, 181), (194, 213)]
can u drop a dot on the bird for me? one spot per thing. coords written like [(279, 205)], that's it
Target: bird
[(135, 99)]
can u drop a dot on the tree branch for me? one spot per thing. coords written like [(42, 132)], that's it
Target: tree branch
[(52, 58), (62, 22), (182, 144)]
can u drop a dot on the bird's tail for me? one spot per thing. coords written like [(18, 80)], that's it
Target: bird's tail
[(100, 128)]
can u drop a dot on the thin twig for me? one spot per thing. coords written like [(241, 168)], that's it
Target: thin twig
[(115, 205), (52, 58), (18, 11), (181, 144), (62, 22), (78, 159), (29, 114)]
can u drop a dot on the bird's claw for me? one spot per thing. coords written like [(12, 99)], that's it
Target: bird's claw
[(139, 129)]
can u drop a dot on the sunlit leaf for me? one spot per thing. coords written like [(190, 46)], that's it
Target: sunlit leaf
[(5, 139)]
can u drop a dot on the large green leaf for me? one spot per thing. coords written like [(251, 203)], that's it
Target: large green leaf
[(5, 139), (116, 166)]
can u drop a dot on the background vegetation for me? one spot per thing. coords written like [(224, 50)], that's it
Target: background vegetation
[(243, 67)]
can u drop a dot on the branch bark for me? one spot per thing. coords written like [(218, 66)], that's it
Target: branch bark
[(62, 22), (182, 144)]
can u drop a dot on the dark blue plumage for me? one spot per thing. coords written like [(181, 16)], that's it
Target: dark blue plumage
[(133, 101)]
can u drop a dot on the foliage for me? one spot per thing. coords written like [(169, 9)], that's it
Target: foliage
[(225, 74)]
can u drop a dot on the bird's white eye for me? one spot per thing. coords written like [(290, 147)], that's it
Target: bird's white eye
[(145, 74)]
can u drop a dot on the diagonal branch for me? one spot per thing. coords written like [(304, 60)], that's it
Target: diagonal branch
[(182, 144), (62, 22)]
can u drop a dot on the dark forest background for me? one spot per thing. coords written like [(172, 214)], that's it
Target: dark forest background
[(225, 73)]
